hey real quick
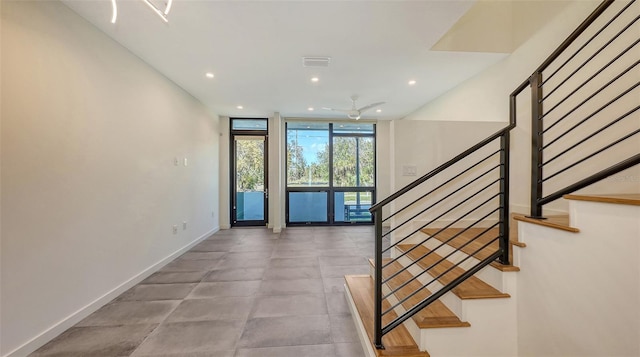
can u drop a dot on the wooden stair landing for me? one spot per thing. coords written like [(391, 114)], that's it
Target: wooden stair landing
[(554, 221), (398, 342), (477, 239), (472, 288), (436, 315)]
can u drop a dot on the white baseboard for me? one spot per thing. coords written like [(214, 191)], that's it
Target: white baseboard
[(93, 306)]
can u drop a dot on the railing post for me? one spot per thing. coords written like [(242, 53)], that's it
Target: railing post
[(504, 197), (377, 313), (536, 144)]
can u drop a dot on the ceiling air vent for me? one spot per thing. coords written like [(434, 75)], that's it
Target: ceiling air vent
[(316, 61)]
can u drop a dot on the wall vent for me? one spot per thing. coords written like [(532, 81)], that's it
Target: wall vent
[(316, 61)]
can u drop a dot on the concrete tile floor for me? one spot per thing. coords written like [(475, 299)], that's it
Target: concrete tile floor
[(241, 292)]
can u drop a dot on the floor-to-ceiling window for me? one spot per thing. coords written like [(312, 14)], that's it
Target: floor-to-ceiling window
[(330, 173)]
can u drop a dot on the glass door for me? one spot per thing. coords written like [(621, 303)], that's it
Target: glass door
[(250, 193)]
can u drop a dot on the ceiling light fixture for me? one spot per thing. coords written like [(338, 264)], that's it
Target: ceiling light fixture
[(310, 109), (114, 11), (412, 82), (378, 110), (162, 14), (155, 9), (209, 75), (240, 107), (315, 79)]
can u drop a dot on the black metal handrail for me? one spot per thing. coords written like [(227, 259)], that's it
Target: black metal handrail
[(547, 131), (459, 188)]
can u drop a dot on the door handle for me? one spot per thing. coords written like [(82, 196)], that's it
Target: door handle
[(266, 193)]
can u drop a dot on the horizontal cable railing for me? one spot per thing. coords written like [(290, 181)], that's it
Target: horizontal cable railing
[(450, 223), (586, 105), (464, 197)]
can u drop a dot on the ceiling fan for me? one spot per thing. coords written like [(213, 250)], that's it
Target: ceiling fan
[(355, 112)]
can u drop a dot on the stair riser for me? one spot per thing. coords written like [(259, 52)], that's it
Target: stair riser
[(492, 332)]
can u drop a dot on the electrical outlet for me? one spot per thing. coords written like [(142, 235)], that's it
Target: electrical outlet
[(175, 161), (175, 229), (184, 225)]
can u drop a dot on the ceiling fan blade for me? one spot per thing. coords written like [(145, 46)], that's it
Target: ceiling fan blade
[(337, 110), (370, 106)]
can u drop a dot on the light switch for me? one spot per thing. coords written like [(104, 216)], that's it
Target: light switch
[(185, 161), (409, 170), (175, 161)]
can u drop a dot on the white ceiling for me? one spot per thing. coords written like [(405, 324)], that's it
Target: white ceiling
[(255, 50)]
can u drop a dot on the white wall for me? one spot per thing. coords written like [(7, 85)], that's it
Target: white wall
[(579, 293), (485, 98), (89, 188)]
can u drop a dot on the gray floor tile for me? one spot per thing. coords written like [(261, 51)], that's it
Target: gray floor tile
[(157, 292), (331, 252), (213, 246), (289, 305), (343, 260), (343, 329), (162, 277), (192, 337), (352, 349), (294, 286), (130, 313), (341, 271), (96, 341), (337, 303), (219, 308), (308, 253), (235, 274), (234, 263), (229, 353), (225, 288), (252, 248), (292, 273), (286, 331), (342, 244), (288, 351), (203, 256), (292, 262), (333, 285), (189, 265)]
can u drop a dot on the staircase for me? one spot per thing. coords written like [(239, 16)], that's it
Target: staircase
[(444, 274)]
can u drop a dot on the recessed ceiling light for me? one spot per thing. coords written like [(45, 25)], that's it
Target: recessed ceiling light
[(342, 126), (412, 82), (240, 107), (209, 75), (378, 110), (315, 79), (310, 109)]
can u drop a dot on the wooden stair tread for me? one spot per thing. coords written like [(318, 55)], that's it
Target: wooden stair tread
[(472, 288), (436, 315), (479, 239), (556, 221), (632, 199), (398, 342)]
